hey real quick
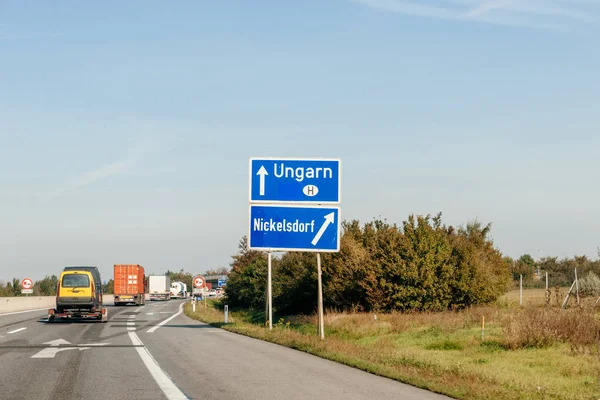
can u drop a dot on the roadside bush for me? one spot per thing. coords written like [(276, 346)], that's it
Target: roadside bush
[(247, 281), (422, 265), (542, 327), (589, 285)]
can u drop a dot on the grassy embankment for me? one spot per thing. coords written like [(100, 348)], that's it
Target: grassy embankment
[(527, 352)]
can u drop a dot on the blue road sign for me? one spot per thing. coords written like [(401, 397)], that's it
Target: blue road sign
[(295, 180), (222, 282), (294, 228)]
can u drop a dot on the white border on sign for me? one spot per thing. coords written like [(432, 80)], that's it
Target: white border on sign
[(300, 250), (338, 160), (23, 283), (194, 282)]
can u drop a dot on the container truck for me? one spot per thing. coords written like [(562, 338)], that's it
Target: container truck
[(129, 284), (159, 287), (77, 295)]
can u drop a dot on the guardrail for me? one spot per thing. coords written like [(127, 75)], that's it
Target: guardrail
[(13, 304), (26, 303)]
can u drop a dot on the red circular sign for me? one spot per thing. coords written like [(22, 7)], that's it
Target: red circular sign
[(27, 283), (198, 282)]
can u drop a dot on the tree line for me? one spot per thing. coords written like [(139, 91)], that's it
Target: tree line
[(43, 287), (420, 265), (561, 272), (47, 286)]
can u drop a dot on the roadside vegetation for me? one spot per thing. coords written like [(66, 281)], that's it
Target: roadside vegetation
[(408, 302), (529, 352)]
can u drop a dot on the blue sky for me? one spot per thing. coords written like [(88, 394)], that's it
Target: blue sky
[(126, 127)]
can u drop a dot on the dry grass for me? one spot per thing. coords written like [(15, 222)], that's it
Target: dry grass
[(531, 352), (543, 327)]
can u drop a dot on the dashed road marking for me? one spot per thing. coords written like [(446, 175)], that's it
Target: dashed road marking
[(16, 330), (171, 391), (166, 320)]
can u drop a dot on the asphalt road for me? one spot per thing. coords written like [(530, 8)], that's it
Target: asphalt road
[(156, 352)]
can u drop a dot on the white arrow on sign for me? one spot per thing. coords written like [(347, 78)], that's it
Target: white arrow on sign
[(262, 172), (51, 351), (329, 219)]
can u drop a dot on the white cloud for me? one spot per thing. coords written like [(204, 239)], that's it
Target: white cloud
[(93, 176), (537, 14), (115, 168)]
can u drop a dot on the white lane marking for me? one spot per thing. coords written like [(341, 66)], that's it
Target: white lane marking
[(166, 320), (26, 311), (50, 352), (129, 328), (164, 312), (16, 330), (150, 313), (163, 380)]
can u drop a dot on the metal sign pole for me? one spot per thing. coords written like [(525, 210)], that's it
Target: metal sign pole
[(270, 293), (321, 318)]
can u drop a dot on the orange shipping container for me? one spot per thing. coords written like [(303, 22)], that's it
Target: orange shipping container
[(129, 284)]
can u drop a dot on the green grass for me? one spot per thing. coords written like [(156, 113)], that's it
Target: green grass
[(442, 352)]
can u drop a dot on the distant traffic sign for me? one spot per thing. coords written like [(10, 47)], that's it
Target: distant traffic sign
[(198, 282), (294, 228), (295, 180), (26, 291), (27, 283), (222, 282)]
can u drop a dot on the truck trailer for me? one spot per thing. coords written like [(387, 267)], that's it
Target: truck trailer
[(159, 287), (129, 284)]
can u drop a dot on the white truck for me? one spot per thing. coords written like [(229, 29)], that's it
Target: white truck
[(178, 290), (159, 287)]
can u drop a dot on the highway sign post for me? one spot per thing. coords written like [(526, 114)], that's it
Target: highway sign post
[(294, 207), (294, 180), (198, 282), (27, 286), (294, 228)]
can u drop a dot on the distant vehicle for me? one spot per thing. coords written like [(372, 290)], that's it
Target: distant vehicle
[(129, 284), (159, 287), (198, 293), (178, 290), (198, 296), (77, 297)]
